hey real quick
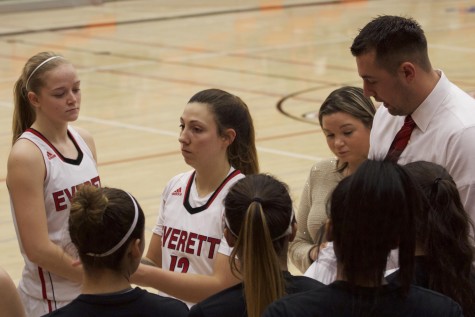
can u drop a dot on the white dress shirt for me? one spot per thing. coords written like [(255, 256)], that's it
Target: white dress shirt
[(445, 134)]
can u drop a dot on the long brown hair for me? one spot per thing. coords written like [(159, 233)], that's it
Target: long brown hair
[(443, 230), (258, 211), (231, 112)]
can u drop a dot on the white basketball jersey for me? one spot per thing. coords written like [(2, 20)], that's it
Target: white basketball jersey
[(192, 227), (63, 176)]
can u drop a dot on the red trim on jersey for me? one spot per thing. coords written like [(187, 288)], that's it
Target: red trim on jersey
[(38, 134), (43, 283), (186, 202), (50, 306), (43, 289), (226, 180), (71, 137)]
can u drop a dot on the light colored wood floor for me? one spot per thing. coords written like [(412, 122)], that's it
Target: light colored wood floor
[(141, 60)]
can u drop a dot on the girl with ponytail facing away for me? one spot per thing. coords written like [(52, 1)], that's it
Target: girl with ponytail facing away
[(444, 247), (371, 213), (259, 224)]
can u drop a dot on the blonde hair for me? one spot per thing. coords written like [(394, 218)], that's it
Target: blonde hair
[(32, 74)]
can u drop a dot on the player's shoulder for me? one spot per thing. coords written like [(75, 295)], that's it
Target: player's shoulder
[(235, 176), (291, 305), (178, 181), (167, 306), (434, 303), (24, 152), (180, 178)]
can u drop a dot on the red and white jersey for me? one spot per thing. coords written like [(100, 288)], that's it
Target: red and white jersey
[(63, 176), (192, 227)]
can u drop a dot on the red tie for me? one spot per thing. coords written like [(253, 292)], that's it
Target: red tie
[(400, 140)]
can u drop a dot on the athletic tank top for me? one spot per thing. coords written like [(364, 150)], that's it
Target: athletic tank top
[(63, 176)]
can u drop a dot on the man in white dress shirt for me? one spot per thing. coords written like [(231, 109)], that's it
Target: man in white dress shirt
[(392, 59)]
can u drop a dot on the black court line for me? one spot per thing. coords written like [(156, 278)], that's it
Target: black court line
[(176, 17), (280, 104)]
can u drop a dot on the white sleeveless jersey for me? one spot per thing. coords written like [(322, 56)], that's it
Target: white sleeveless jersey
[(192, 227), (63, 175)]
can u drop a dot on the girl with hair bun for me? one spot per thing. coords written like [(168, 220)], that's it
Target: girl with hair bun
[(107, 228)]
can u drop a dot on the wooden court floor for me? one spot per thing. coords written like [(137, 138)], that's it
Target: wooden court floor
[(141, 60)]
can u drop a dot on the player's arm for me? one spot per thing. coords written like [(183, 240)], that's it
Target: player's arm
[(300, 249), (10, 302), (154, 252), (25, 179), (188, 287)]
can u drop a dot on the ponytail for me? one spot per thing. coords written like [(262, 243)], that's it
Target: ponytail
[(262, 276)]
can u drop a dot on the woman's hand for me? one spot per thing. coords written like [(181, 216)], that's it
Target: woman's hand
[(313, 254)]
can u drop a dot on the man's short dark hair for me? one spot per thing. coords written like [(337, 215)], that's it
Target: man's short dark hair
[(395, 40)]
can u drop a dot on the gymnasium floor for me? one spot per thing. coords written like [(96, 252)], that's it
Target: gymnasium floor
[(141, 60)]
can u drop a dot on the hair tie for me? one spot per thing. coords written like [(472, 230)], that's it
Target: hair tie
[(435, 187), (226, 222), (287, 231), (257, 199), (125, 238)]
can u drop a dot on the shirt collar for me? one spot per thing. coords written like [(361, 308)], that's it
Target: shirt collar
[(422, 116)]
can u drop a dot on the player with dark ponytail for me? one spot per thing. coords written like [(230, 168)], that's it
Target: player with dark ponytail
[(259, 224), (371, 213)]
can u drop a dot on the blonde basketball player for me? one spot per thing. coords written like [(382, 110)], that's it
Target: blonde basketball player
[(48, 160)]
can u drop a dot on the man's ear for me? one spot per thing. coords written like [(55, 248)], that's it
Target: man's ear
[(408, 71), (229, 135), (294, 231), (329, 230), (230, 238)]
